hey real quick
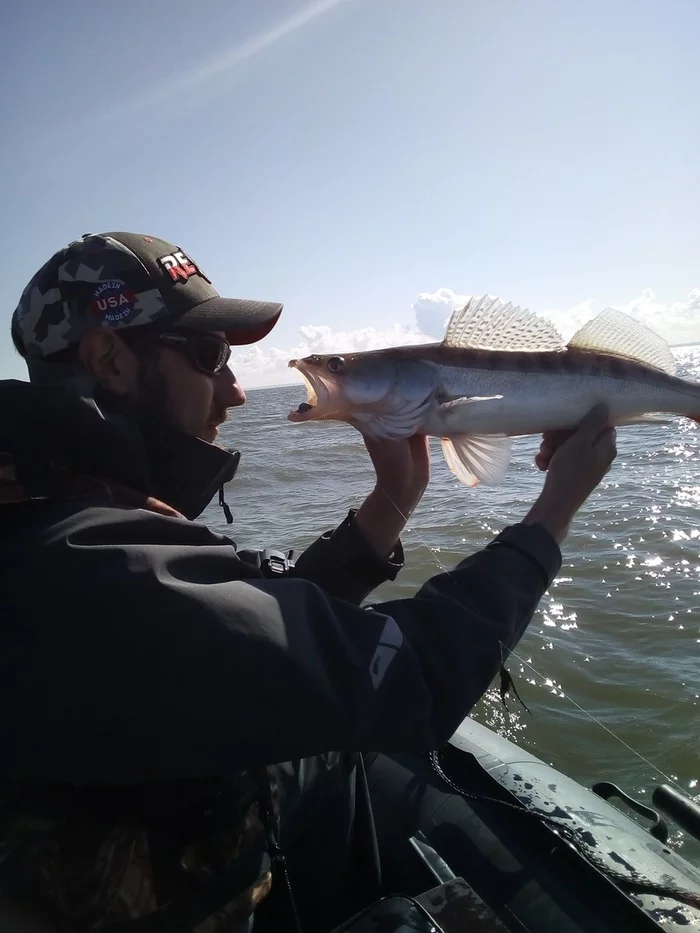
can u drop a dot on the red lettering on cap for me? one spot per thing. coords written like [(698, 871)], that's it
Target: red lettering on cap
[(178, 266)]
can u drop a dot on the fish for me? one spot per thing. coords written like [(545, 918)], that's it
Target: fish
[(500, 372)]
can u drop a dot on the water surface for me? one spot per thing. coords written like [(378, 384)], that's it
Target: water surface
[(610, 666)]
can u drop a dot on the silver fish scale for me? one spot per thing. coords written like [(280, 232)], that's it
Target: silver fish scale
[(535, 402)]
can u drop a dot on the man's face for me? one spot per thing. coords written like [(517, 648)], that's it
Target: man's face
[(194, 401), (164, 376), (172, 374)]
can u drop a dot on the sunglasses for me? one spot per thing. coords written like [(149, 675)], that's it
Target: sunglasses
[(207, 352)]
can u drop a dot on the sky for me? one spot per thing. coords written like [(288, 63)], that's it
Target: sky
[(367, 162)]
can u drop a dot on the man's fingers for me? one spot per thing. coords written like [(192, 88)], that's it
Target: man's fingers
[(607, 442), (594, 430), (556, 436), (594, 422), (551, 442), (608, 435)]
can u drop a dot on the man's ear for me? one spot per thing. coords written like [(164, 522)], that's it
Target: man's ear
[(109, 360)]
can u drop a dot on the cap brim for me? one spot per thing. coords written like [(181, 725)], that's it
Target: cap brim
[(242, 320)]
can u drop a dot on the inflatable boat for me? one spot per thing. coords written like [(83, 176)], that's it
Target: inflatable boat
[(487, 837)]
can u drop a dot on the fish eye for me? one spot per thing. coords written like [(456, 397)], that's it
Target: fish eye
[(335, 364)]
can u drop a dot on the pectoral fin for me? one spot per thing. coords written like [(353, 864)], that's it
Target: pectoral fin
[(478, 458)]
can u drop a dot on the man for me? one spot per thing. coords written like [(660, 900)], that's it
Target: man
[(151, 673)]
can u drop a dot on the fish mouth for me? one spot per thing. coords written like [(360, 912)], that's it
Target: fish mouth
[(318, 393)]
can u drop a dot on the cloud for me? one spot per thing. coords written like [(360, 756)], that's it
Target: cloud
[(260, 365), (677, 322), (433, 309)]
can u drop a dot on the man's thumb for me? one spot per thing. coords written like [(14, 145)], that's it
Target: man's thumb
[(597, 419)]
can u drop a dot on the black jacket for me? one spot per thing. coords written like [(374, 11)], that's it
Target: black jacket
[(140, 646)]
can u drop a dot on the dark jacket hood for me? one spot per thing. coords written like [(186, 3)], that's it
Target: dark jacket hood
[(50, 431)]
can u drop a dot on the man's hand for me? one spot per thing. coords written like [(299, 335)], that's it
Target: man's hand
[(551, 442), (403, 471), (575, 462)]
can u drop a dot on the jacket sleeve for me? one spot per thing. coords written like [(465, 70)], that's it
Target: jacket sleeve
[(342, 563), (151, 651)]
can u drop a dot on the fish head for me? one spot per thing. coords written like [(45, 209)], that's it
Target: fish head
[(379, 394), (339, 386)]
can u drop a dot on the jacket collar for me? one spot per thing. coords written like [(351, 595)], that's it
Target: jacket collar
[(51, 430)]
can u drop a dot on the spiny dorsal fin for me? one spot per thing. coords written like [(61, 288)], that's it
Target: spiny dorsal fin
[(489, 324), (618, 334)]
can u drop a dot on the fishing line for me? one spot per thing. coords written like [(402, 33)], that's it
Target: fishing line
[(529, 664)]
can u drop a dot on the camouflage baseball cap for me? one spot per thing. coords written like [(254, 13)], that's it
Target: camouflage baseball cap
[(128, 280)]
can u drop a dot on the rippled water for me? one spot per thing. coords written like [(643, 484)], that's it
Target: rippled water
[(610, 666)]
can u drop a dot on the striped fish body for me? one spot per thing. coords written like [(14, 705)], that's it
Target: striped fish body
[(528, 393), (500, 372)]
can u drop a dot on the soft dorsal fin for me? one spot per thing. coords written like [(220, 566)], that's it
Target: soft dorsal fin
[(618, 334), (489, 324)]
